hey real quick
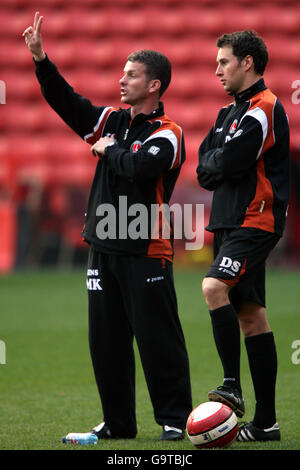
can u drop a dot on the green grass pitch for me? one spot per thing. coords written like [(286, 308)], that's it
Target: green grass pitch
[(47, 385)]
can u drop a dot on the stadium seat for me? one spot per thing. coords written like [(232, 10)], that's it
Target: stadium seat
[(57, 24), (29, 150), (196, 82), (95, 53), (283, 19), (31, 116), (63, 54), (185, 84), (20, 85), (187, 114), (188, 171), (14, 22), (68, 148), (292, 110), (128, 23), (166, 22), (280, 79), (202, 20), (240, 17), (13, 53), (95, 84), (283, 50), (193, 51), (90, 41)]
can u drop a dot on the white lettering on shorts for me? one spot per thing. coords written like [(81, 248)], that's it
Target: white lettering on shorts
[(229, 266)]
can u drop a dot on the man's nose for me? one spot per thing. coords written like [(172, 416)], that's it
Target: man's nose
[(218, 70)]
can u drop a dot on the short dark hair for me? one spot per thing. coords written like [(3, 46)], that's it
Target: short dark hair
[(245, 43), (157, 66)]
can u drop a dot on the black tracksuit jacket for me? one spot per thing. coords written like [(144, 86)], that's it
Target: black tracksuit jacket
[(245, 160), (143, 166)]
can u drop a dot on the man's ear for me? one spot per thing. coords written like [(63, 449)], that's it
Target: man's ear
[(248, 62), (154, 85)]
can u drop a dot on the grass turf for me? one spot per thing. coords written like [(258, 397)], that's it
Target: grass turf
[(47, 385)]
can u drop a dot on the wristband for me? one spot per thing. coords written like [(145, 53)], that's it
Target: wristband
[(110, 144)]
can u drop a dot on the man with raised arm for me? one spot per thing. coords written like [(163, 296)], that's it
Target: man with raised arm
[(130, 279)]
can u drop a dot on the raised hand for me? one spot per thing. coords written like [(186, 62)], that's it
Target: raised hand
[(33, 38)]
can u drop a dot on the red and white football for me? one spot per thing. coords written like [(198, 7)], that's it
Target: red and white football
[(212, 424)]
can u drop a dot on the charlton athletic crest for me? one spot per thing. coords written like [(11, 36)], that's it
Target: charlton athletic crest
[(233, 127), (136, 146)]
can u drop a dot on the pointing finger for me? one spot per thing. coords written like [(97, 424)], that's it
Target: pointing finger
[(36, 17), (39, 24)]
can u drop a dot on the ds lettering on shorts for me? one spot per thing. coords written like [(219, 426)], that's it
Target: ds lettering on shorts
[(229, 266)]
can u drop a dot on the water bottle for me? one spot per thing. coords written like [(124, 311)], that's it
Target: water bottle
[(86, 438)]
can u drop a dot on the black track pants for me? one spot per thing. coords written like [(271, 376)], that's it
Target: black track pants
[(129, 297)]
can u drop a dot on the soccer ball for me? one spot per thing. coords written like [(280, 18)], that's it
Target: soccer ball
[(212, 424)]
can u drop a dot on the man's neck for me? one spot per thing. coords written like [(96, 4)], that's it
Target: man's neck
[(248, 84), (143, 108)]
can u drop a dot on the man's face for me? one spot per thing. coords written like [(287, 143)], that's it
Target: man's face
[(230, 70), (134, 84)]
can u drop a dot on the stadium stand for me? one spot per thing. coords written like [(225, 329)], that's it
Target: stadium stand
[(89, 41)]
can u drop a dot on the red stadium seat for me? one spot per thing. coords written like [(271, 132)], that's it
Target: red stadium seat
[(203, 20), (64, 54), (57, 24), (90, 23), (283, 50), (188, 52), (280, 79), (128, 23), (31, 116), (163, 21), (67, 147), (240, 17), (192, 143), (283, 19), (29, 150), (96, 53), (77, 22), (187, 114), (96, 85), (20, 86), (90, 41), (14, 53), (185, 84), (14, 22), (178, 50), (196, 82), (292, 110)]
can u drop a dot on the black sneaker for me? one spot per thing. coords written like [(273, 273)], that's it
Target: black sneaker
[(249, 432), (231, 397), (171, 434), (102, 431)]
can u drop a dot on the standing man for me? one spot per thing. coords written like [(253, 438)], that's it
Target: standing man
[(130, 279), (245, 160)]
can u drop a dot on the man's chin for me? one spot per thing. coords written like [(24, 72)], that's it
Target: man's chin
[(124, 99)]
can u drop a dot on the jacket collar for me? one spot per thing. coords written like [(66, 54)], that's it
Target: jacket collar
[(156, 113), (245, 95)]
